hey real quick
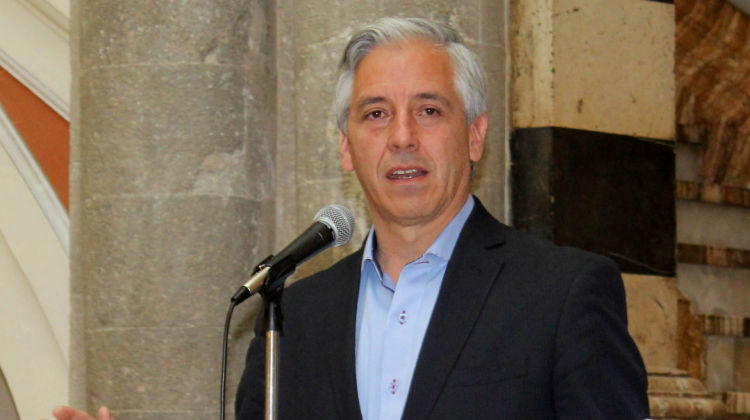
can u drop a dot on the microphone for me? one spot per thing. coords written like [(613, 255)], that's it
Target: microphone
[(332, 226)]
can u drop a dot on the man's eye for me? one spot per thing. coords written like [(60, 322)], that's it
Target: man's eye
[(430, 111), (375, 114)]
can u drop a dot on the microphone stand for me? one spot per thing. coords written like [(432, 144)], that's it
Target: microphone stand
[(268, 280), (273, 324), (333, 226)]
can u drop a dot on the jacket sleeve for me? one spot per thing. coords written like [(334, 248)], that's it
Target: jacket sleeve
[(598, 370), (250, 400)]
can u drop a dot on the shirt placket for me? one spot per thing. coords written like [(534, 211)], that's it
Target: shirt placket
[(399, 340)]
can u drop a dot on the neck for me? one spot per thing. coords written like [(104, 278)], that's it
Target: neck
[(400, 244)]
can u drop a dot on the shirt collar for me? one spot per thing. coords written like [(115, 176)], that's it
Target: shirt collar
[(443, 245)]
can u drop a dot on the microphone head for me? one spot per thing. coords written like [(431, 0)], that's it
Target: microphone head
[(340, 220)]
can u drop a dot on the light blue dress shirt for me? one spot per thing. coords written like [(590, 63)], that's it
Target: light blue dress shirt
[(392, 321)]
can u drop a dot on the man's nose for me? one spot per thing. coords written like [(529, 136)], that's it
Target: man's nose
[(403, 133)]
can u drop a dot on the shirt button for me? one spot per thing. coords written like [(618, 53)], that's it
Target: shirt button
[(402, 317), (393, 386)]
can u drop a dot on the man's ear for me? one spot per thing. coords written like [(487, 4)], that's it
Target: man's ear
[(477, 131), (345, 154)]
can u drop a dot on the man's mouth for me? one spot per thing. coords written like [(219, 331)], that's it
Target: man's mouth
[(406, 174)]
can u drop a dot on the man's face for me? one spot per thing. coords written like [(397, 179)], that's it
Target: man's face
[(407, 138)]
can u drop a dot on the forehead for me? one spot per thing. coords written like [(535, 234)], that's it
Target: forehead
[(403, 68)]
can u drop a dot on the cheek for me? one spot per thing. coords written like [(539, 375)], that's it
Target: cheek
[(456, 157), (458, 149), (364, 162), (368, 154)]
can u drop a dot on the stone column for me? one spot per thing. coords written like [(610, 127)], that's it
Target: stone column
[(172, 184), (312, 37)]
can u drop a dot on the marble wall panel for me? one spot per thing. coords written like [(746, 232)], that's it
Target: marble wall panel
[(715, 225), (715, 290), (742, 365), (719, 360), (687, 162), (712, 59)]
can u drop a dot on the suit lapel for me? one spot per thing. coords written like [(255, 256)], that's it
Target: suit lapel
[(340, 334), (471, 272)]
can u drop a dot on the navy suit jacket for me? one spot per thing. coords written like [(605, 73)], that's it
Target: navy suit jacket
[(522, 329)]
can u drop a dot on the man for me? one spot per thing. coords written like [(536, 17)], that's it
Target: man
[(445, 313)]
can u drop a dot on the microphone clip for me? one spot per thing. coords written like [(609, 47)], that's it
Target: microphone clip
[(271, 292), (268, 280), (276, 277)]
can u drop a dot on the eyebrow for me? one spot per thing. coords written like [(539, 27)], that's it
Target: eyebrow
[(369, 100), (434, 97)]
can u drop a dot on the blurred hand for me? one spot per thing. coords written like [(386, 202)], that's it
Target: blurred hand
[(70, 413)]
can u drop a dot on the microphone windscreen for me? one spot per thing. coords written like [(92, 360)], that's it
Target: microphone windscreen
[(340, 220)]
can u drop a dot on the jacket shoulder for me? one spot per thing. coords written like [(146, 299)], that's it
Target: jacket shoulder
[(541, 262), (538, 247), (525, 249), (330, 278)]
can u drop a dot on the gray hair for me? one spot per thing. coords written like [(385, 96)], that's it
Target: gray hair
[(468, 77)]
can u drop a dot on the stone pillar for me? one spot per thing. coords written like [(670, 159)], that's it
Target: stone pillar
[(172, 197), (312, 37)]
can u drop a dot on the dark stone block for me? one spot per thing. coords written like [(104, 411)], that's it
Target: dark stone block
[(531, 170), (605, 193)]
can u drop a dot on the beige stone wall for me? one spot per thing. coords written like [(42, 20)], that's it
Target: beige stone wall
[(652, 318), (592, 65)]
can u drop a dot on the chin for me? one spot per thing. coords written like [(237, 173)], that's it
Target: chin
[(412, 210)]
